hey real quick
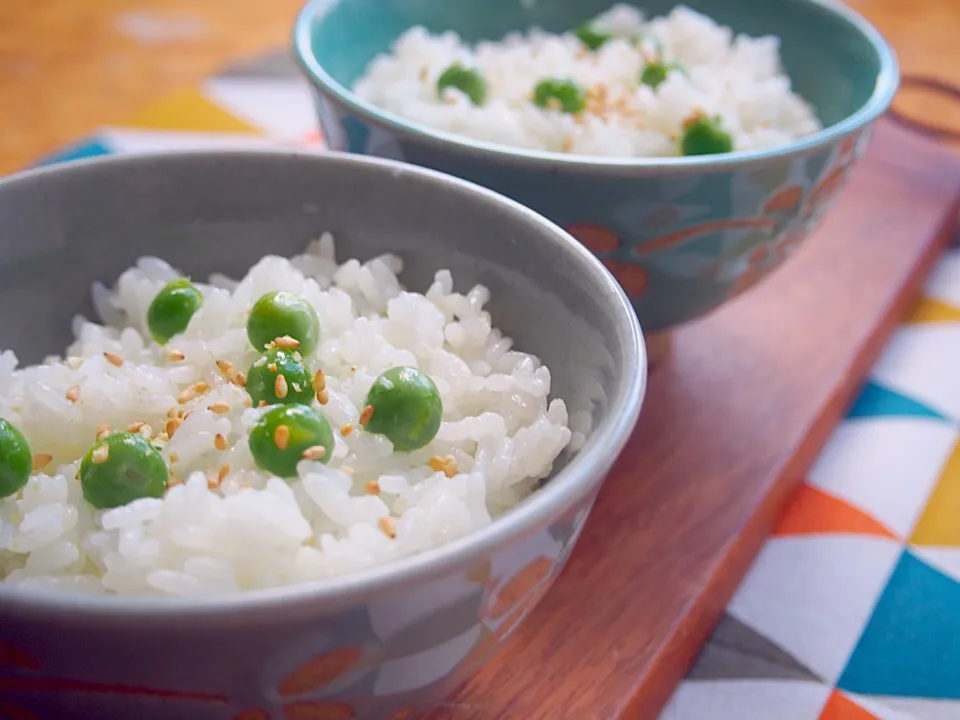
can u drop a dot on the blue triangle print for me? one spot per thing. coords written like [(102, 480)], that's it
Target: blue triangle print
[(877, 401), (911, 644), (90, 148)]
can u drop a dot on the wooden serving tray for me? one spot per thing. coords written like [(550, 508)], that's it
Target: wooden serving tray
[(734, 417)]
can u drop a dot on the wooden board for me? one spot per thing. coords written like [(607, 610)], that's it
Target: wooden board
[(734, 417)]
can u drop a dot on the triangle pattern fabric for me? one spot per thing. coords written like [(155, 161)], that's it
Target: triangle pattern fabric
[(944, 281), (813, 595), (746, 700), (188, 110), (911, 644), (940, 522), (93, 147), (915, 708), (841, 707), (875, 400), (815, 512), (887, 467), (921, 362), (931, 310), (735, 650)]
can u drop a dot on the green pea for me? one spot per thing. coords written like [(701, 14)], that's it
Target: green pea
[(591, 37), (283, 314), (704, 135), (404, 406), (286, 435), (121, 468), (171, 310), (264, 383), (560, 94), (469, 81), (656, 72), (16, 460)]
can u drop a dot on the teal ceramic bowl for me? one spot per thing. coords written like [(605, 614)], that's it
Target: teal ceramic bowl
[(682, 235)]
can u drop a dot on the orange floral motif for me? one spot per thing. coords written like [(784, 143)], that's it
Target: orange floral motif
[(319, 710), (519, 585), (597, 239), (15, 657), (632, 278), (319, 671), (829, 185), (784, 200), (675, 238)]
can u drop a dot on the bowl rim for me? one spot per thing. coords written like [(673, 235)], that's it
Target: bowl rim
[(885, 88), (583, 475)]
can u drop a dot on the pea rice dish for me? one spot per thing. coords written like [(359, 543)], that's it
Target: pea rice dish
[(619, 85), (309, 420)]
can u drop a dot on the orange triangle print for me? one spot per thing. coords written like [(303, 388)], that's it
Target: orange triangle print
[(188, 111), (840, 707), (814, 512), (931, 310)]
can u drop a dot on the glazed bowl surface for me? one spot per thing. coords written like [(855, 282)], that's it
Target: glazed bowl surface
[(383, 643), (683, 234)]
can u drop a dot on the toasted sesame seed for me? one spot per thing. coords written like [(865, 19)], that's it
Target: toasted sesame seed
[(146, 431), (270, 345), (173, 482), (135, 427), (74, 362), (213, 483), (319, 381), (272, 367), (73, 394), (353, 368), (315, 452), (388, 526), (103, 429), (187, 414), (281, 437), (446, 464), (323, 397), (41, 460), (347, 469), (247, 402), (240, 379), (100, 455), (372, 488), (220, 442), (287, 343), (172, 412), (174, 457), (346, 429), (113, 359), (280, 387), (262, 404), (219, 407), (175, 355), (162, 437), (366, 414), (172, 426), (226, 368), (224, 471)]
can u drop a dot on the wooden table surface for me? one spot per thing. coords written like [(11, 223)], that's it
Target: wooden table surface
[(69, 67)]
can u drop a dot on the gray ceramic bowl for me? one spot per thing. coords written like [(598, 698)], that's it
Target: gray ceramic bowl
[(379, 644)]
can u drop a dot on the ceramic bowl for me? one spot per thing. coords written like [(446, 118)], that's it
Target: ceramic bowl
[(379, 644), (682, 235)]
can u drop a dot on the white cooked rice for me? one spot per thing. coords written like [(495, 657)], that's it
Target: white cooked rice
[(256, 531), (738, 78)]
